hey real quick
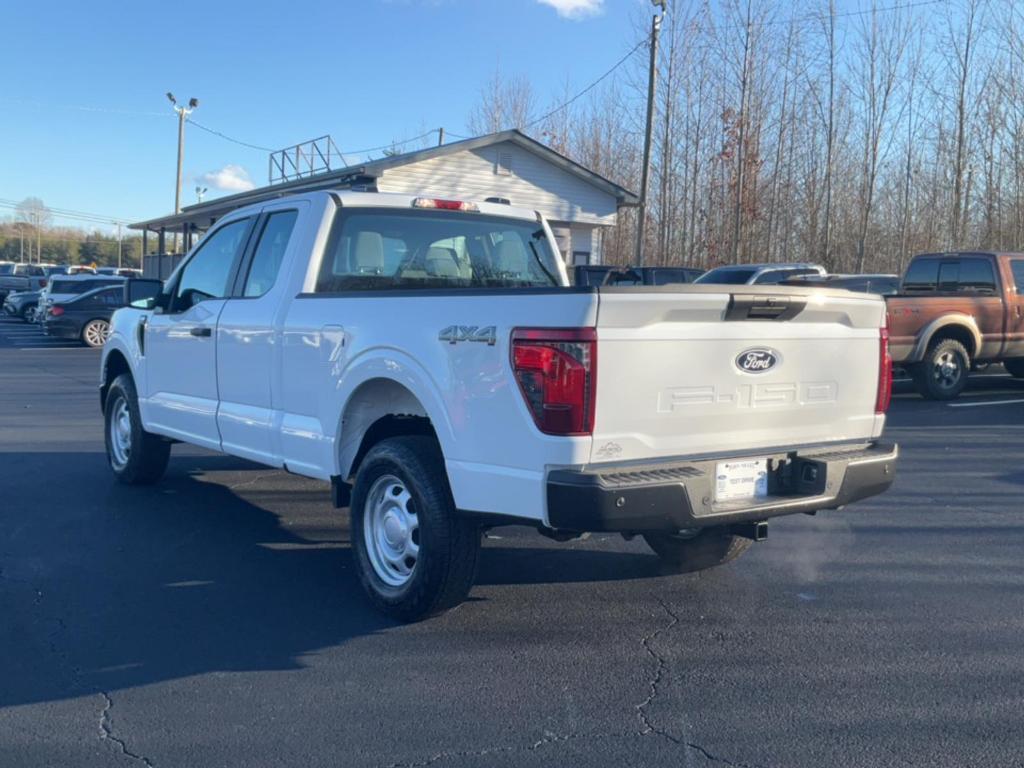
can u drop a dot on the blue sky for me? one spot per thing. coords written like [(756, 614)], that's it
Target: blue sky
[(365, 71)]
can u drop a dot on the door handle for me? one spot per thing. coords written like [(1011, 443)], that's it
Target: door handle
[(201, 330)]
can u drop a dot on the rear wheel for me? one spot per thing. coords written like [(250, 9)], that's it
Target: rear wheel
[(942, 375), (1015, 367), (95, 333), (28, 314), (136, 456), (414, 554), (697, 552)]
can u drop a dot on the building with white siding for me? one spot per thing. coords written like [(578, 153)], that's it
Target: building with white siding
[(578, 203)]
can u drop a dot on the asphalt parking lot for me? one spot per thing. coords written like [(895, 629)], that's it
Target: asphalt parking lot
[(215, 620)]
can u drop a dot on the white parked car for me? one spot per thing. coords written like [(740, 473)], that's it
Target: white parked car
[(429, 359)]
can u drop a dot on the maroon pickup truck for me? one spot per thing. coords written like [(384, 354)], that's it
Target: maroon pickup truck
[(955, 311)]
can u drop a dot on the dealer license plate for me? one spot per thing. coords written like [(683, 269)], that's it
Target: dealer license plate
[(736, 480)]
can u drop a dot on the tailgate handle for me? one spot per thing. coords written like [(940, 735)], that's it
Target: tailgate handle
[(747, 307)]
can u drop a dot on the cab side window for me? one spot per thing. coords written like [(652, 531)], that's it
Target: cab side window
[(206, 274), (1017, 268), (269, 253)]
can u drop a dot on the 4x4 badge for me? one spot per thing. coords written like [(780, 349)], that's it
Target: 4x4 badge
[(453, 334)]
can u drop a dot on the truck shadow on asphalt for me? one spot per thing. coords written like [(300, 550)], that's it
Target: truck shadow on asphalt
[(105, 587)]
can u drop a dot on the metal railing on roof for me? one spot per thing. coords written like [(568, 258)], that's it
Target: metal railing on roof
[(306, 159)]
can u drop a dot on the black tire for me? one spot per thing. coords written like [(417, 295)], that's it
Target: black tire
[(444, 567), (1015, 367), (147, 455), (942, 375), (686, 554)]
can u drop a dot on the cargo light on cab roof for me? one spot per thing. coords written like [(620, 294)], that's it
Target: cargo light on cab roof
[(445, 205)]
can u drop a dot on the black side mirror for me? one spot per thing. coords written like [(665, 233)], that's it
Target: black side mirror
[(141, 293)]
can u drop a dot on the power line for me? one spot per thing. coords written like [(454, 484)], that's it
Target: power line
[(228, 138), (590, 87), (85, 108), (393, 144), (845, 14), (67, 213)]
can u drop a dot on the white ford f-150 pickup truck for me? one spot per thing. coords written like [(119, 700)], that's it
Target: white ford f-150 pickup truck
[(428, 358)]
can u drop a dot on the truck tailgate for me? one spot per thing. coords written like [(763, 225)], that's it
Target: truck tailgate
[(703, 371)]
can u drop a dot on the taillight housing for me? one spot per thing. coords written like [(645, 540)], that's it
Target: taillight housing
[(884, 396), (556, 369), (56, 311)]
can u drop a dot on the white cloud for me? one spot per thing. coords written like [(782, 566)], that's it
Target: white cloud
[(575, 9), (230, 178)]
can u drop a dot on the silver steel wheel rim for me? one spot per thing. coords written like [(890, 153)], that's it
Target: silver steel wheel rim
[(391, 531), (96, 333), (947, 370), (120, 433), (30, 314)]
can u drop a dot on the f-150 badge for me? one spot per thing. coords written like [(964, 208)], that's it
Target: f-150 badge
[(757, 360), (453, 334)]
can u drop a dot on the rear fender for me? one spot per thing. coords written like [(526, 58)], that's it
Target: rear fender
[(386, 383), (952, 321)]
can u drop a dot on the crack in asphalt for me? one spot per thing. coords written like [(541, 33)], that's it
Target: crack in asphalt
[(548, 739), (646, 727), (107, 731)]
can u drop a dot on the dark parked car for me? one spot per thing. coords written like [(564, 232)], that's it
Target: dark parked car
[(593, 274), (886, 285), (85, 317), (22, 304)]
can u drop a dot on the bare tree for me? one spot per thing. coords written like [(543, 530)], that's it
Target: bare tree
[(881, 48), (504, 103)]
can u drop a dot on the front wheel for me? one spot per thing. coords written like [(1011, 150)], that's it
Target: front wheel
[(1015, 367), (95, 333), (704, 549), (28, 314), (136, 456), (942, 375), (415, 555)]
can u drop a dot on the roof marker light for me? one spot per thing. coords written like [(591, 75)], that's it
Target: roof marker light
[(445, 205)]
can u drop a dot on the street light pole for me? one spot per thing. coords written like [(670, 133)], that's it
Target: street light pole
[(183, 112), (641, 215)]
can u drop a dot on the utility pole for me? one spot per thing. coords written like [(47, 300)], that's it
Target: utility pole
[(183, 113), (641, 215), (440, 136), (119, 245)]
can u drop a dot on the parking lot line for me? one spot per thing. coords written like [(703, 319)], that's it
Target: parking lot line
[(987, 402)]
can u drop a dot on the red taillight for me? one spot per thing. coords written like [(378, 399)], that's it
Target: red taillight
[(42, 283), (557, 373), (884, 373), (56, 311)]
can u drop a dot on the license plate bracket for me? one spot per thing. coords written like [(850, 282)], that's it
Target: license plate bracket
[(741, 480)]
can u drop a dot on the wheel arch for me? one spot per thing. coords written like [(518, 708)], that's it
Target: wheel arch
[(962, 328), (378, 408), (115, 362)]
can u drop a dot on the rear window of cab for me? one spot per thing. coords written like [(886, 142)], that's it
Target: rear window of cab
[(386, 248)]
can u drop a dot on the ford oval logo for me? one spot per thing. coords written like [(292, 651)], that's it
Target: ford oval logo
[(757, 360)]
